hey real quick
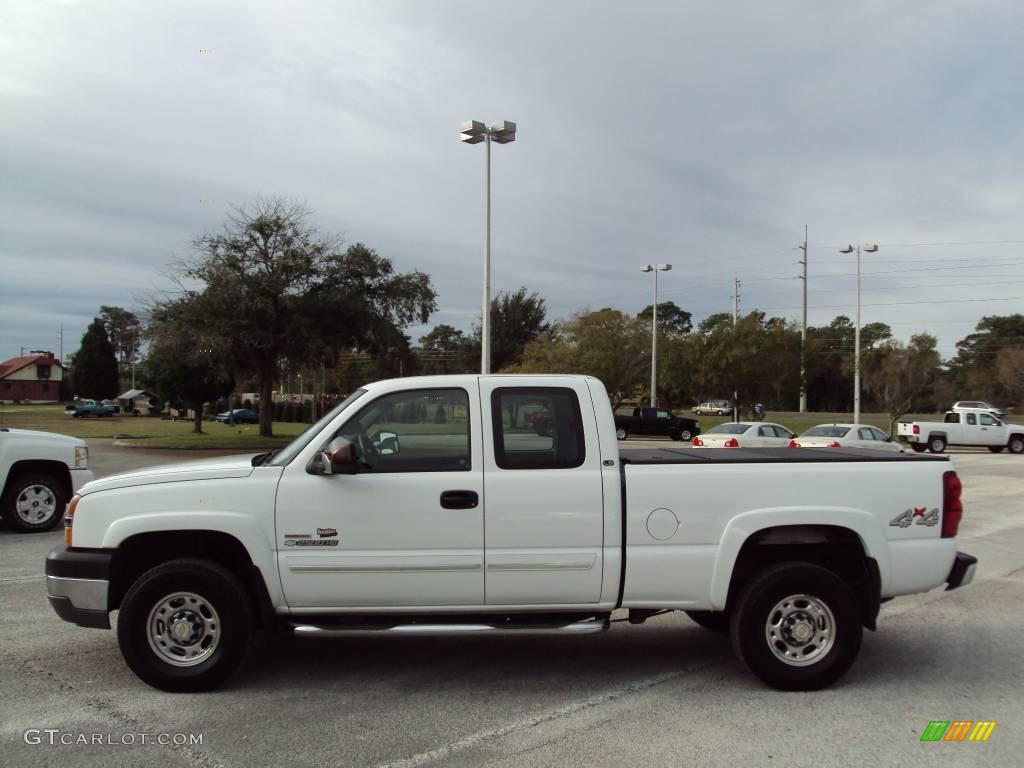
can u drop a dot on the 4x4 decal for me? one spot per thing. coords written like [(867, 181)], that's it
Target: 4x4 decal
[(923, 516)]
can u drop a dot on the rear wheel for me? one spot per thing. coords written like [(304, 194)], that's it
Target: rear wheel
[(937, 444), (686, 435), (1016, 444), (34, 502), (996, 448), (621, 434), (797, 626), (716, 621), (185, 625)]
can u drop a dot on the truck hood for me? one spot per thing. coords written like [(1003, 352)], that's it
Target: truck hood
[(204, 469), (43, 437)]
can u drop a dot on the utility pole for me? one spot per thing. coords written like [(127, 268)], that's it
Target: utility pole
[(735, 319), (803, 331)]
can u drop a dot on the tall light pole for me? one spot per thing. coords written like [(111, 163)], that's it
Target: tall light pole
[(655, 268), (473, 132), (856, 338)]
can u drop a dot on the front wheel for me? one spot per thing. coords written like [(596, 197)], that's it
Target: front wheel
[(621, 434), (34, 502), (1016, 444), (185, 625), (797, 626)]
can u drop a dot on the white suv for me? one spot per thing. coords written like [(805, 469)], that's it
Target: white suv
[(963, 405)]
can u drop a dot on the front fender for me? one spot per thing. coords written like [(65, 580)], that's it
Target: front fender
[(740, 528)]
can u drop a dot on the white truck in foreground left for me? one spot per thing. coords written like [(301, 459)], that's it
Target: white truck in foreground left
[(432, 506), (39, 473)]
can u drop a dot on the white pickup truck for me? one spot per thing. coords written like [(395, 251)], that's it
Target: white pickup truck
[(977, 427), (431, 506), (39, 472)]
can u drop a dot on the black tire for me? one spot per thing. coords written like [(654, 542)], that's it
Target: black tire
[(716, 621), (936, 444), (620, 433), (1016, 444), (721, 413), (42, 498), (761, 599), (918, 448), (215, 586), (686, 435), (996, 448)]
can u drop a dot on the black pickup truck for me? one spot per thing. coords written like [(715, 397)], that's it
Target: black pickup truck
[(655, 421)]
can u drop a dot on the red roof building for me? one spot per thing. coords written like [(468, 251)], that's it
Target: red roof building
[(33, 378)]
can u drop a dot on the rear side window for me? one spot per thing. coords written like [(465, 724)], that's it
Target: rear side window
[(537, 428)]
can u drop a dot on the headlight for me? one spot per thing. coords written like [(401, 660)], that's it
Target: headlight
[(81, 457)]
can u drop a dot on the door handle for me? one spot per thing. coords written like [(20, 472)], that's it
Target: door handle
[(459, 499)]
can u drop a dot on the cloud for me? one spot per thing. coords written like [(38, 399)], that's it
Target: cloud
[(701, 134)]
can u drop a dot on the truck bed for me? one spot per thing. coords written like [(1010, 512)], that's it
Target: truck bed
[(764, 456)]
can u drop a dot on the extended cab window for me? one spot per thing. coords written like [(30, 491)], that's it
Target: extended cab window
[(537, 428), (952, 418), (421, 430)]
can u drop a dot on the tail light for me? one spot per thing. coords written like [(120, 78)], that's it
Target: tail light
[(834, 444), (698, 443), (952, 506), (917, 429), (732, 442), (69, 519), (794, 444)]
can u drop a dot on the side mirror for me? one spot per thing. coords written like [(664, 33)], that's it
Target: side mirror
[(387, 443), (337, 458)]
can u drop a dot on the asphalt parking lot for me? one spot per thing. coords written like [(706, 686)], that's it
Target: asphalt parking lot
[(667, 693)]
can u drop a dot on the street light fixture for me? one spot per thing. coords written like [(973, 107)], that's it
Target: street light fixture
[(474, 132), (872, 248), (655, 268)]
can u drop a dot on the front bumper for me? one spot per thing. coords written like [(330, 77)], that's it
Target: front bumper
[(77, 582), (962, 572)]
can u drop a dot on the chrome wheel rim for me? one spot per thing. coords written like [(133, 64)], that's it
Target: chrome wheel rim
[(800, 630), (183, 629), (36, 504), (685, 435), (620, 434)]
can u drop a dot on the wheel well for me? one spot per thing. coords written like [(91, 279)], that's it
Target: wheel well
[(838, 549), (937, 434), (138, 554), (56, 468)]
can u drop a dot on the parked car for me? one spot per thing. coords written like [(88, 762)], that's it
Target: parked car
[(39, 472), (978, 405), (84, 408), (846, 436), (242, 416), (655, 421), (354, 528), (979, 428), (740, 435), (714, 408)]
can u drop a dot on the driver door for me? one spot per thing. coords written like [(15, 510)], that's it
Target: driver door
[(407, 528)]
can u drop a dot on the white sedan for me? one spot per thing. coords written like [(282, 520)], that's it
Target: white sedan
[(745, 435), (846, 436)]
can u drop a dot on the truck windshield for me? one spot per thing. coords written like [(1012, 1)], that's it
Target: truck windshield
[(826, 431), (728, 429), (295, 446)]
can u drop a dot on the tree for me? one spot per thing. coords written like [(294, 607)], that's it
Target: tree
[(124, 329), (672, 320), (445, 350), (974, 371), (183, 366), (516, 320), (274, 289), (1010, 373), (607, 344), (95, 371), (898, 375)]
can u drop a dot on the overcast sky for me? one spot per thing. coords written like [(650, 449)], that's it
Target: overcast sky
[(704, 134)]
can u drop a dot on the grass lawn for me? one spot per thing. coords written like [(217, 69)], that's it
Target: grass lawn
[(146, 431)]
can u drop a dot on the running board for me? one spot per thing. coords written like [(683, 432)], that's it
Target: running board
[(355, 630)]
